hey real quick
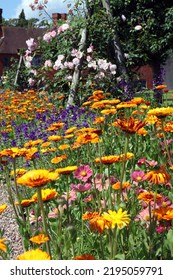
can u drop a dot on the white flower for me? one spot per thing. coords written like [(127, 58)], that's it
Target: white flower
[(31, 44), (123, 17), (113, 68), (48, 63), (138, 27)]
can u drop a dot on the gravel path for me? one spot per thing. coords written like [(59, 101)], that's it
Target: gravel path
[(9, 225)]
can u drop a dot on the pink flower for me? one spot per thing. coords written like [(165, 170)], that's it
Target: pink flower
[(101, 182), (31, 82), (81, 187), (83, 173), (48, 63), (53, 214), (89, 198), (137, 176), (63, 28), (71, 197), (31, 44), (141, 161)]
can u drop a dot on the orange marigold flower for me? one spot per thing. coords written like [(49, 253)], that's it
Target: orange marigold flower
[(70, 130), (3, 207), (125, 185), (108, 111), (130, 126), (169, 127), (19, 172), (107, 159), (142, 131), (46, 144), (66, 170), (128, 156), (55, 138), (37, 178), (13, 152), (98, 223), (88, 138), (161, 112), (88, 130), (30, 153), (39, 239), (58, 159), (25, 202), (161, 87), (68, 136), (157, 176), (164, 213), (137, 100), (64, 147), (127, 104), (84, 257), (149, 196), (99, 120), (47, 194), (36, 254), (90, 215), (2, 245), (32, 143)]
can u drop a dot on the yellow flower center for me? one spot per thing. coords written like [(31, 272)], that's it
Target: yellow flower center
[(83, 173), (138, 178)]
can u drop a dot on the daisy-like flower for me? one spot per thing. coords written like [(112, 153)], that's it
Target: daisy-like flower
[(130, 126), (80, 187), (83, 173), (30, 153), (36, 254), (37, 178), (164, 213), (128, 156), (64, 147), (32, 143), (39, 239), (25, 202), (66, 170), (2, 245), (149, 196), (84, 257), (88, 138), (70, 130), (119, 218), (159, 176), (47, 194), (110, 111), (3, 207), (169, 127), (13, 152), (55, 138), (161, 112), (58, 159), (19, 172), (107, 159), (125, 185), (137, 176)]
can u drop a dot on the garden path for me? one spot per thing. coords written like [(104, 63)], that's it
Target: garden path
[(9, 225)]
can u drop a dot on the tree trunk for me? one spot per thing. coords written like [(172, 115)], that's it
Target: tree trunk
[(118, 53), (77, 70)]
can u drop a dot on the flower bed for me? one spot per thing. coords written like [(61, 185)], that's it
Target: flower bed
[(88, 183)]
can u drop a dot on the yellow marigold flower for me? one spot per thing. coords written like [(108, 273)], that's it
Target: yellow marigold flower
[(47, 194), (84, 257), (14, 152), (99, 120), (30, 153), (25, 202), (161, 112), (127, 104), (36, 254), (158, 176), (137, 100), (55, 138), (3, 207), (32, 143), (2, 245), (164, 213), (64, 147), (107, 159), (151, 120), (88, 130), (88, 138), (58, 159), (19, 172), (66, 170), (130, 126), (87, 103), (142, 131), (46, 144), (128, 156), (70, 130), (108, 111), (39, 239), (119, 219), (68, 136), (125, 185), (149, 196), (37, 178)]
